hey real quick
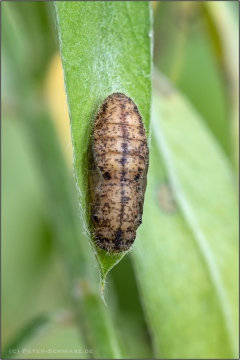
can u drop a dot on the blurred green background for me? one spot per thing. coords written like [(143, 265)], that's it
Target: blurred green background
[(34, 280)]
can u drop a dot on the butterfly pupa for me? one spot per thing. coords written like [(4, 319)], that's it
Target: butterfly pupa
[(118, 163)]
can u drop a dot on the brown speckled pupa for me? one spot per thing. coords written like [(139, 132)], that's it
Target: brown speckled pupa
[(118, 173)]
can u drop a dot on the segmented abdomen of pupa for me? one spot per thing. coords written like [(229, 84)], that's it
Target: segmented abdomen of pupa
[(118, 173)]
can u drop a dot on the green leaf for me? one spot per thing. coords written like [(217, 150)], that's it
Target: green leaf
[(105, 48), (49, 336), (28, 44), (222, 26), (92, 318), (25, 335), (184, 53), (186, 257), (26, 235)]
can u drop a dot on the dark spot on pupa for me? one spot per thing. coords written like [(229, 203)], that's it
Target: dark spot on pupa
[(137, 177), (125, 199), (95, 217), (124, 146), (139, 221), (106, 176), (135, 109), (118, 237), (123, 160), (104, 107)]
